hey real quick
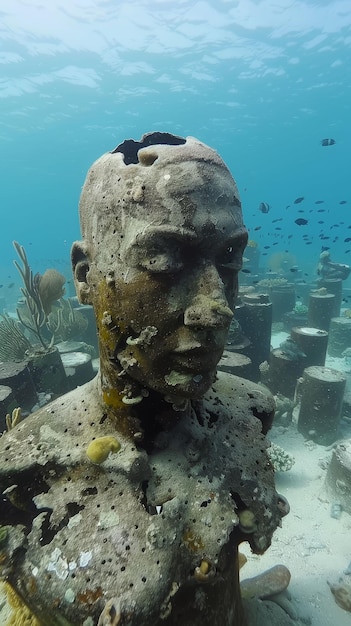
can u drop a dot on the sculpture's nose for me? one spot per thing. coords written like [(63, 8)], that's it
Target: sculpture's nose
[(209, 307)]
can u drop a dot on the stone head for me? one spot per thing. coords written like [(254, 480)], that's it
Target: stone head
[(162, 246)]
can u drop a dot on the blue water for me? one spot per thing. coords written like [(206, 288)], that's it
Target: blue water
[(261, 81)]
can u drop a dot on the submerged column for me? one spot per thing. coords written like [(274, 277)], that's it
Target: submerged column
[(322, 391)]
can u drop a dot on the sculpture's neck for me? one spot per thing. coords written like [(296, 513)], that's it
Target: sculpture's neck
[(139, 412)]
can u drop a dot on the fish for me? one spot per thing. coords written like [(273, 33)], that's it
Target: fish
[(299, 199), (301, 221), (245, 271), (328, 142), (257, 227), (264, 207), (347, 239), (343, 202), (10, 285), (319, 201)]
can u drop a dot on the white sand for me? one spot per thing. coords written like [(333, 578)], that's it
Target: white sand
[(314, 546)]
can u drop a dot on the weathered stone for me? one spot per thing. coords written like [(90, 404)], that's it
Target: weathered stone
[(270, 582), (148, 533)]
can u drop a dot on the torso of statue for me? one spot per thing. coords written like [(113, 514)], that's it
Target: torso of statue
[(144, 537)]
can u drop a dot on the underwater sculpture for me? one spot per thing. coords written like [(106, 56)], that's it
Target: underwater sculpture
[(125, 500), (39, 292), (326, 268)]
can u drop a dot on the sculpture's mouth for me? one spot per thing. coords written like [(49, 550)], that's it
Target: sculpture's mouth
[(196, 359)]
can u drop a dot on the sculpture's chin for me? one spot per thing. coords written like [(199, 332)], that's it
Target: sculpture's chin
[(189, 385), (179, 376)]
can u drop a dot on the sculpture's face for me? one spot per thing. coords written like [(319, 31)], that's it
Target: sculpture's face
[(164, 294)]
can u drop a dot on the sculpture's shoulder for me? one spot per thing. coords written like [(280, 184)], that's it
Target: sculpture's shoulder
[(233, 398), (46, 435)]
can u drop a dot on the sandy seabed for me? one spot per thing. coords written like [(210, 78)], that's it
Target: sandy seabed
[(314, 546)]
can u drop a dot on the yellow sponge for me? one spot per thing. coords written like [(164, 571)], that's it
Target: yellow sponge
[(99, 449)]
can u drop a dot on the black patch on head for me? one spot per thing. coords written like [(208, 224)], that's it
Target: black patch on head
[(130, 148)]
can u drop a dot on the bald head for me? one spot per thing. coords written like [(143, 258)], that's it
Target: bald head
[(156, 180)]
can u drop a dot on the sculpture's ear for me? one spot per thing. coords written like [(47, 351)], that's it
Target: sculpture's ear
[(80, 267)]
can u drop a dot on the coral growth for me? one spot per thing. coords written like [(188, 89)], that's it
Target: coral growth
[(65, 322), (269, 283), (33, 317), (300, 309), (280, 459), (13, 342), (50, 287), (20, 615)]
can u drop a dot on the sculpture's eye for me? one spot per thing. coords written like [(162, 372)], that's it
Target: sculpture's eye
[(166, 262), (230, 258)]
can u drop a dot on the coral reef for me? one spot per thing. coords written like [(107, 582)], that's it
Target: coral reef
[(66, 322), (269, 283), (34, 316), (13, 342), (281, 460), (39, 294)]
